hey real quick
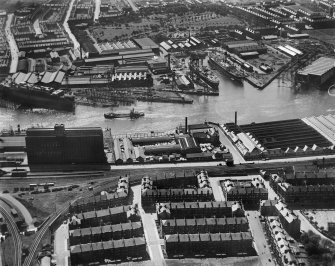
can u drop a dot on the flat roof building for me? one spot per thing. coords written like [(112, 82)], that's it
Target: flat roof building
[(65, 146)]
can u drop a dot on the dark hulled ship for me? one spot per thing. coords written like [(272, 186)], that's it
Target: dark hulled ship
[(36, 96), (225, 68), (206, 75)]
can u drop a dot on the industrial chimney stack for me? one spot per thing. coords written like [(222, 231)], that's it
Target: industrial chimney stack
[(235, 118), (186, 125)]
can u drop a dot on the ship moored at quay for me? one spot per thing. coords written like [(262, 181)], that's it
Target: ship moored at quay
[(37, 96), (205, 75), (225, 68)]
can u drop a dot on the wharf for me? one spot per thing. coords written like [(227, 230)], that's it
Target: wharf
[(159, 99)]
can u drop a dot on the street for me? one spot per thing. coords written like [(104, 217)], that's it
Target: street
[(150, 230), (262, 248), (14, 50)]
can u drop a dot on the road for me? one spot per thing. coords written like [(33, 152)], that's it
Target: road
[(14, 50), (76, 44), (131, 3), (23, 210), (60, 244), (262, 247), (150, 230), (216, 187), (14, 233), (97, 10), (238, 158)]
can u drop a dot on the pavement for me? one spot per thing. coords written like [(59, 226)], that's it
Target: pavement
[(150, 231), (261, 245), (14, 50), (60, 245), (23, 210)]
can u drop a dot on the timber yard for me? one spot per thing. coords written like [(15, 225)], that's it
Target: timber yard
[(159, 170)]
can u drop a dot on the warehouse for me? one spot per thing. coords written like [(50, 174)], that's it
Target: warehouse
[(319, 72)]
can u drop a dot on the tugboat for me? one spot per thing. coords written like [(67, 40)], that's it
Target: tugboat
[(206, 75), (132, 115)]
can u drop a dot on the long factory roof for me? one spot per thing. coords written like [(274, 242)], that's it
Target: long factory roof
[(319, 66)]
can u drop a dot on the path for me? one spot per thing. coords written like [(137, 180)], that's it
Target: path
[(23, 210), (216, 187), (14, 50)]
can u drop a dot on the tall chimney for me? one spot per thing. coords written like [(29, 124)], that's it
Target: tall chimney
[(235, 118), (186, 125), (169, 61), (81, 53)]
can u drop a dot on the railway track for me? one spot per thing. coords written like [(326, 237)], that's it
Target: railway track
[(15, 234)]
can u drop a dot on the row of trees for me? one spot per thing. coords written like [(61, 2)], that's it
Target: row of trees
[(320, 250)]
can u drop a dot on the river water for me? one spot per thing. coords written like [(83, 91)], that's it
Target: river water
[(275, 102)]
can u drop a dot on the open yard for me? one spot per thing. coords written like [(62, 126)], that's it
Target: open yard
[(322, 217)]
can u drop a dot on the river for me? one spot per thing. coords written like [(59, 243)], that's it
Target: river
[(275, 102)]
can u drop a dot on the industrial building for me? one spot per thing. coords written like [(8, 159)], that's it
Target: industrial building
[(317, 73), (59, 145), (209, 244), (277, 139)]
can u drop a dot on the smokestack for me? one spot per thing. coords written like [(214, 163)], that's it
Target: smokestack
[(186, 125), (169, 61), (235, 118), (81, 53)]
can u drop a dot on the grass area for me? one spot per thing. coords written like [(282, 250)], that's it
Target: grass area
[(42, 205), (232, 261), (8, 251)]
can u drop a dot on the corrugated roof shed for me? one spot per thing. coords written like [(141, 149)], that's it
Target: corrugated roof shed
[(319, 66)]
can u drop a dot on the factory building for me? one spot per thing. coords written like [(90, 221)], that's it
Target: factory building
[(318, 73), (59, 145)]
